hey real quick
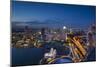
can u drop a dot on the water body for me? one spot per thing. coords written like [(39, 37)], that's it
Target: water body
[(26, 56), (32, 56)]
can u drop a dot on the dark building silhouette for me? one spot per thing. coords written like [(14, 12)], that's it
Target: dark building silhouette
[(43, 34)]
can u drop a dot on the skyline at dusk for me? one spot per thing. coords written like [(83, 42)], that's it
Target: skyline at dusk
[(51, 33)]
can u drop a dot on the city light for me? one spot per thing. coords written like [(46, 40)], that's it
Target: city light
[(64, 27)]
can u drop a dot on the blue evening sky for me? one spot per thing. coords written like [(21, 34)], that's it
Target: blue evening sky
[(75, 15)]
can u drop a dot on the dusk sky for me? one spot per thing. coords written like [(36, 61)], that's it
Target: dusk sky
[(75, 15)]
